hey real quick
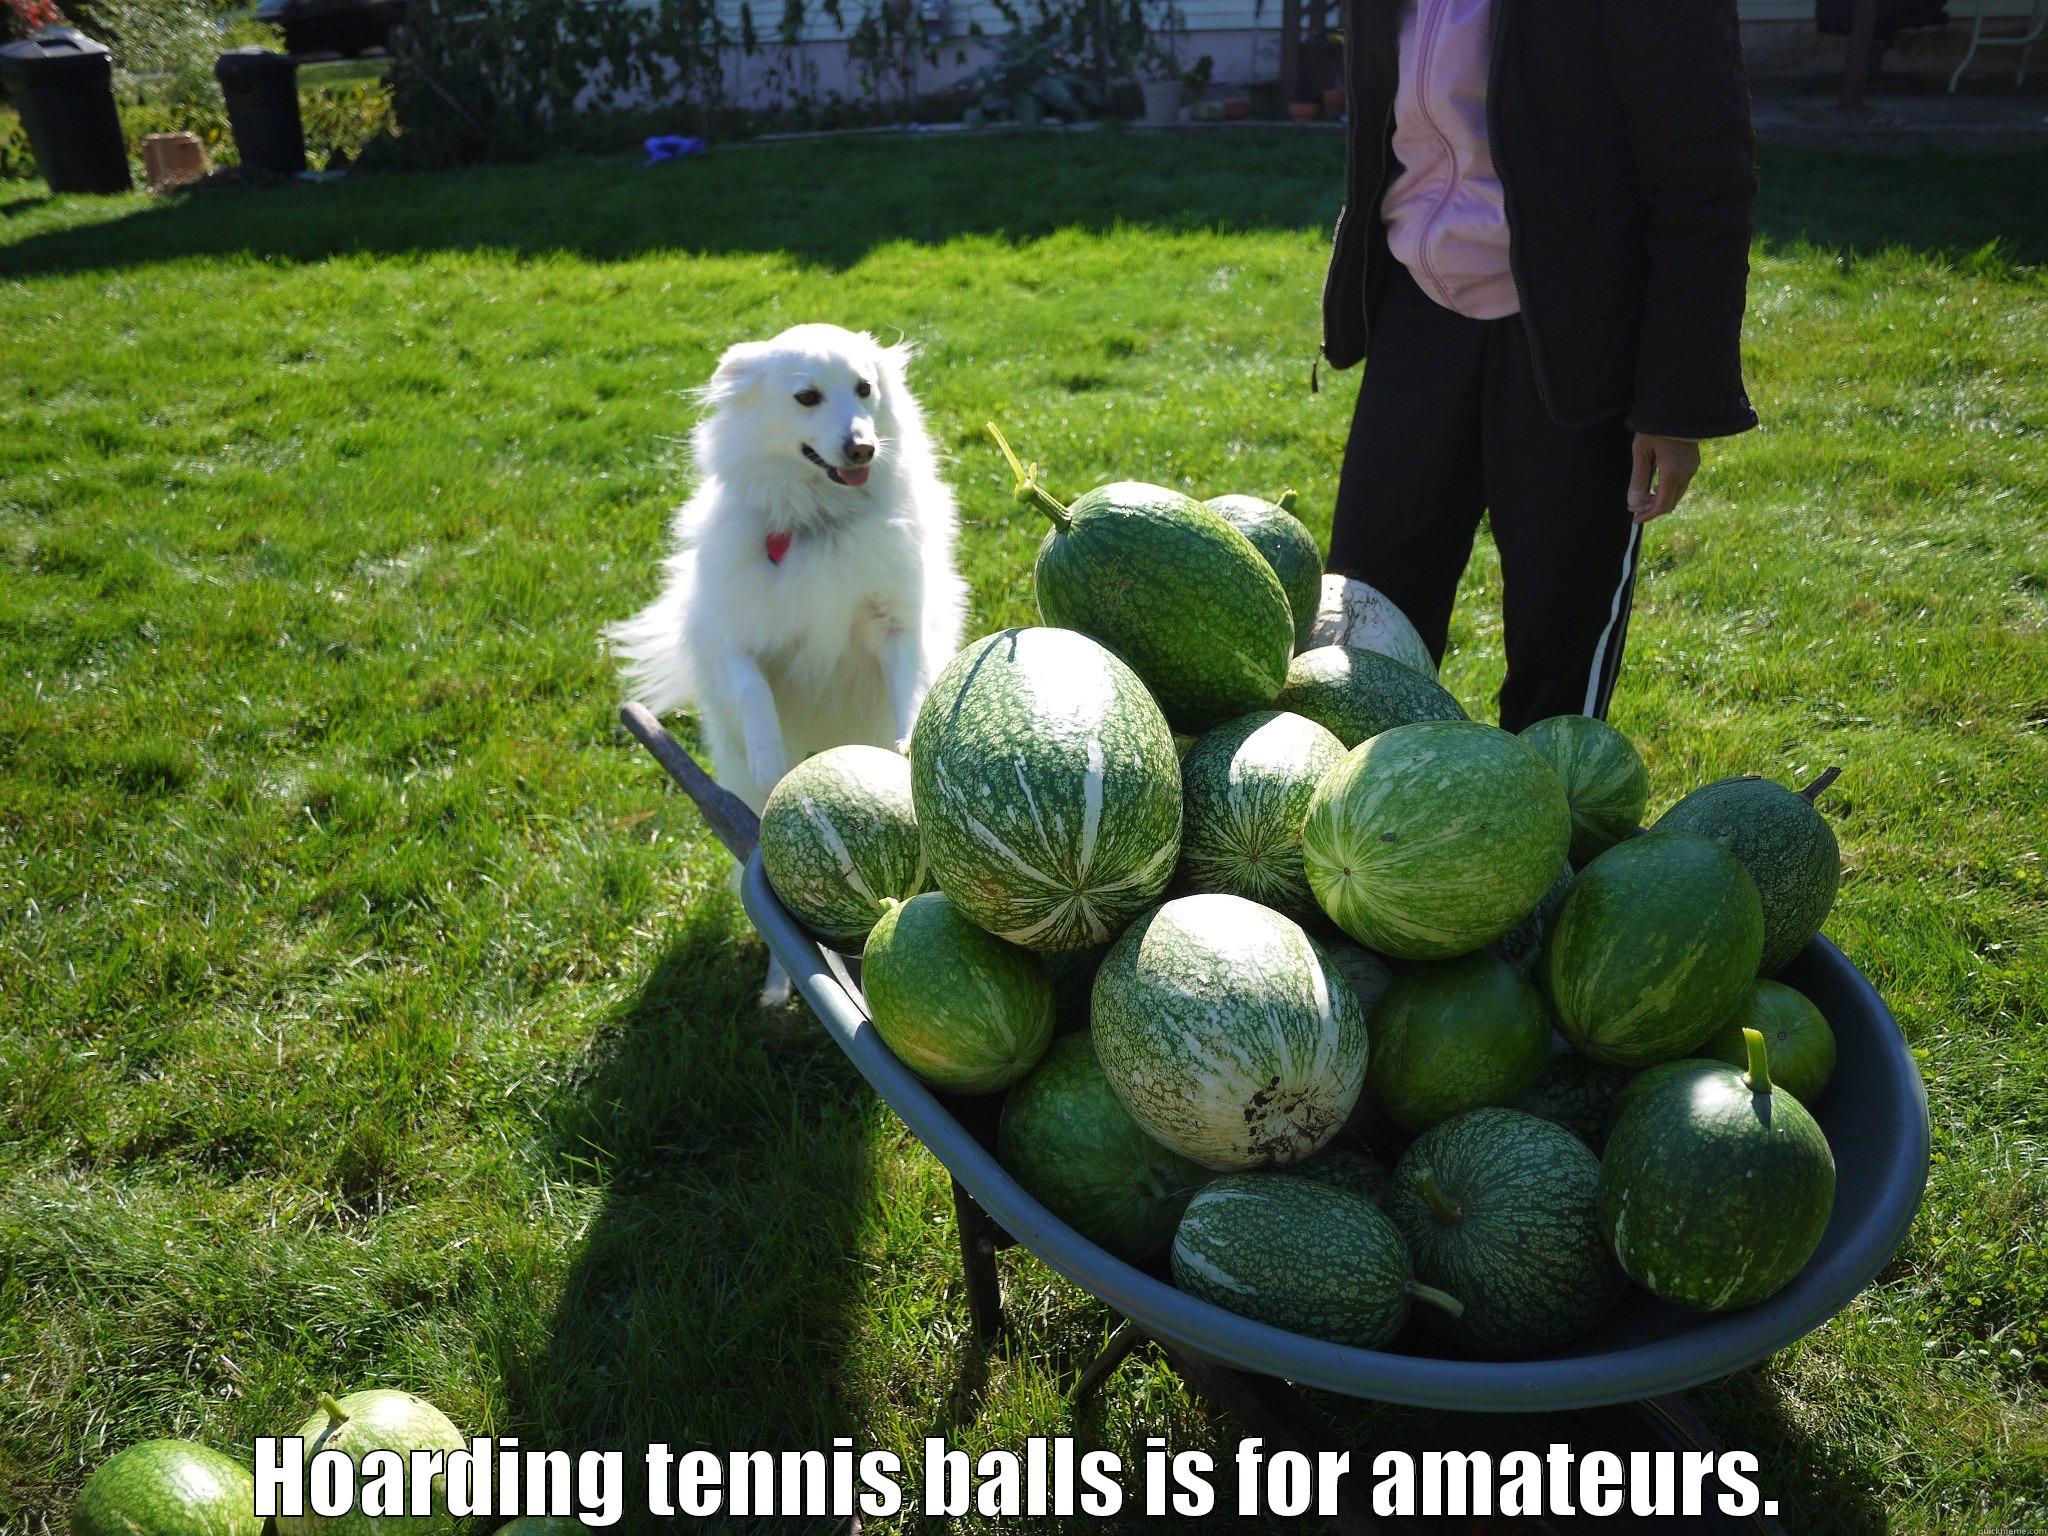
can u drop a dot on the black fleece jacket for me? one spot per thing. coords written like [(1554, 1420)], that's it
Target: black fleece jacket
[(1621, 132)]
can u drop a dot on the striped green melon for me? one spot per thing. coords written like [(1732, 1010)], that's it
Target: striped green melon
[(1433, 839), (1358, 694), (1802, 1046), (1501, 1209), (1224, 1034), (167, 1488), (377, 1421), (1577, 1093), (1355, 613), (1521, 944), (1657, 941), (1067, 1138), (1369, 975), (1170, 587), (1453, 1035), (966, 1011), (1073, 983), (1716, 1186), (1046, 788), (1288, 547), (1245, 788), (838, 834), (1300, 1255), (1786, 845), (1604, 780), (1352, 1168)]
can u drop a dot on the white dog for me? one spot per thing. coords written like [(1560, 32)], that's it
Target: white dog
[(812, 596)]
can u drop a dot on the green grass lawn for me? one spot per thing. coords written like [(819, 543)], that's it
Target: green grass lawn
[(372, 1016)]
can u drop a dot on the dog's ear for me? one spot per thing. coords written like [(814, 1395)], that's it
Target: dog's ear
[(738, 370), (895, 361)]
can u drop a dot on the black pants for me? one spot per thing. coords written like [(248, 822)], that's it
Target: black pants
[(1449, 425)]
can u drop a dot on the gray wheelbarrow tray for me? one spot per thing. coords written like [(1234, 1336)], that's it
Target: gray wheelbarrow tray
[(1874, 1113)]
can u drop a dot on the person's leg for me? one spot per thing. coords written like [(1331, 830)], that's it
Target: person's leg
[(1408, 501), (1558, 498)]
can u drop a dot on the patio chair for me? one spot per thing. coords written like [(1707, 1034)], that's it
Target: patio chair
[(2037, 24)]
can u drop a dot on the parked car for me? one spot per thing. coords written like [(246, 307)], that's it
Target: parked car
[(346, 27)]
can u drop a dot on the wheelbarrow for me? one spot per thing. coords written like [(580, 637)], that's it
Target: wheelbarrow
[(1617, 1390)]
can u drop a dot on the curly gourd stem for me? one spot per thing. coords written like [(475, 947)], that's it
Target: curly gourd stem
[(1443, 1300), (1819, 786), (1029, 491), (1286, 501), (1445, 1207), (1759, 1078), (332, 1408)]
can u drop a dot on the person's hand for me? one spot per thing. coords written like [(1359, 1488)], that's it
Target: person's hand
[(1664, 467)]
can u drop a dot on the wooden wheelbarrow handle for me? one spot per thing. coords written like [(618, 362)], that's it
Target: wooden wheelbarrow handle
[(730, 818)]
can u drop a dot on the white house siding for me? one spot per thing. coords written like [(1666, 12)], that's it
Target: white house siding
[(1241, 38)]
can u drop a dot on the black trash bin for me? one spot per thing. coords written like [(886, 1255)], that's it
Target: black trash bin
[(63, 82), (262, 91)]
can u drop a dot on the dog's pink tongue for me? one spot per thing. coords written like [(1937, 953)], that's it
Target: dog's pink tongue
[(854, 476)]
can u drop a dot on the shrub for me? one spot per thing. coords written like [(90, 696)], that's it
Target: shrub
[(508, 80)]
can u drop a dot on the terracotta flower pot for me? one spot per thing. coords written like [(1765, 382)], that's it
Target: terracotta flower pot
[(1304, 111), (1237, 107), (1334, 101)]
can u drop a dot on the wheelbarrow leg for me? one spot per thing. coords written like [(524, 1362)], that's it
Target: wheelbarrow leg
[(978, 1243), (1275, 1412), (1127, 1337)]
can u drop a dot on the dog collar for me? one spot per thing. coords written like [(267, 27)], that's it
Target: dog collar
[(778, 546)]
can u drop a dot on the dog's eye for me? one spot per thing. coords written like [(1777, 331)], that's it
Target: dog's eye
[(863, 389), (808, 397)]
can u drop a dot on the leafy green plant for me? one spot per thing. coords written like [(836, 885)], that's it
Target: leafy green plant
[(506, 81), (163, 53)]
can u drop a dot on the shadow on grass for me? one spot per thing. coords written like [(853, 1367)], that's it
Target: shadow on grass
[(831, 202), (715, 1292), (1803, 1473)]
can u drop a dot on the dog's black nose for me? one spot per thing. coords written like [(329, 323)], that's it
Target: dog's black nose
[(857, 453)]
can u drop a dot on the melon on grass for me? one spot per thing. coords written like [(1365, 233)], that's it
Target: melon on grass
[(1802, 1046), (364, 1422), (1786, 845), (1170, 587), (1351, 1168), (1355, 613), (1434, 839), (1521, 944), (838, 835), (1046, 787), (1067, 1138), (1716, 1186), (1577, 1093), (1501, 1209), (1245, 788), (966, 1011), (1604, 780), (1657, 941), (1225, 1035), (1357, 694), (1300, 1255), (1287, 546), (1454, 1035), (543, 1525), (167, 1488)]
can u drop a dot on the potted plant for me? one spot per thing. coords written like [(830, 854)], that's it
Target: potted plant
[(1161, 77)]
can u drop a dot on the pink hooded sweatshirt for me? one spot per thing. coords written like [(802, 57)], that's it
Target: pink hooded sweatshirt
[(1446, 221)]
